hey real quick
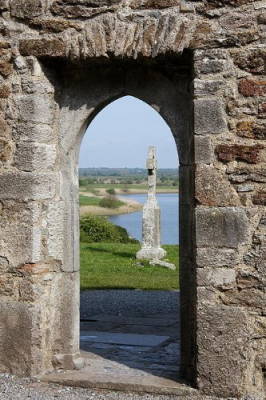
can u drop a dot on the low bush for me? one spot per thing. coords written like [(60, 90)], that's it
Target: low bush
[(110, 202), (111, 191), (100, 229)]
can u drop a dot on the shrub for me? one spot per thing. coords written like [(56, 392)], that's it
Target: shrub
[(100, 229), (110, 202), (111, 191)]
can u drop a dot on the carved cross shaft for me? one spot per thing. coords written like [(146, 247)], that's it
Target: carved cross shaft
[(152, 168)]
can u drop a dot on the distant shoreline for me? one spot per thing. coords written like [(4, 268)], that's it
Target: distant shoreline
[(130, 206)]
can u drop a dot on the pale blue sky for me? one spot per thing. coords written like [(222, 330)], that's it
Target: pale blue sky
[(120, 134)]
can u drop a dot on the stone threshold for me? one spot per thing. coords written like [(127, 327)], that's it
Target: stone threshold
[(145, 384)]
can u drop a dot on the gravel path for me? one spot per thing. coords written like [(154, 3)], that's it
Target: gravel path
[(131, 303), (12, 388)]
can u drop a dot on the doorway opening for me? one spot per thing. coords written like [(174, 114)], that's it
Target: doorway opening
[(130, 319)]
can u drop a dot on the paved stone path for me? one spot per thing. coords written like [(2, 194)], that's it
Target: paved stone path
[(129, 353)]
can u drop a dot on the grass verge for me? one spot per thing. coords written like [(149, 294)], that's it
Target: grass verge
[(114, 266), (88, 201)]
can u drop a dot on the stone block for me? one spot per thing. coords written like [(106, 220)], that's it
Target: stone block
[(249, 87), (208, 115), (210, 61), (83, 8), (238, 152), (153, 4), (5, 129), (5, 91), (203, 150), (213, 188), (3, 5), (27, 186), (31, 156), (31, 132), (207, 87), (15, 338), (6, 69), (224, 335), (221, 227), (25, 8), (251, 60), (223, 278), (208, 257), (260, 197), (245, 129), (5, 150), (22, 243), (55, 230), (65, 300), (36, 85), (35, 108), (52, 48)]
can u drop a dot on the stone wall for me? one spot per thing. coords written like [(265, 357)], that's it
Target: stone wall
[(201, 65)]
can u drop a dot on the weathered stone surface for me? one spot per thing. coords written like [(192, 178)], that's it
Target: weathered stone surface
[(5, 91), (15, 337), (28, 131), (83, 8), (203, 150), (260, 197), (42, 47), (55, 230), (207, 257), (208, 115), (236, 152), (3, 5), (5, 150), (251, 61), (262, 109), (213, 188), (54, 25), (6, 69), (27, 186), (18, 225), (207, 87), (221, 227), (36, 85), (35, 108), (223, 278), (248, 87), (31, 157), (210, 61), (153, 4), (249, 129), (220, 328), (222, 3), (240, 175), (25, 8)]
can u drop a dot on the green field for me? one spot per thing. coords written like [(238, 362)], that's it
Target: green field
[(88, 201), (114, 266)]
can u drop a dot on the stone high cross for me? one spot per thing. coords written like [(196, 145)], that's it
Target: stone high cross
[(151, 220)]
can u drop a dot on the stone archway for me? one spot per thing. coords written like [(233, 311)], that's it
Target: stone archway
[(59, 65)]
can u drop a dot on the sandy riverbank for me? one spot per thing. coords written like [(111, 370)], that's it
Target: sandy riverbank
[(129, 207)]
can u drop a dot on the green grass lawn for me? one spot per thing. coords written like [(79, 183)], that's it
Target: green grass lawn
[(114, 266), (88, 201)]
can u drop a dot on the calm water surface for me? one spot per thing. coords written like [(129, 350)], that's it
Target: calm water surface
[(169, 217)]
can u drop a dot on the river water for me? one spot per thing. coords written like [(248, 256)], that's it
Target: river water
[(169, 217)]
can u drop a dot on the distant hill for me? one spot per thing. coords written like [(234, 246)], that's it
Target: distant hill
[(125, 172)]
